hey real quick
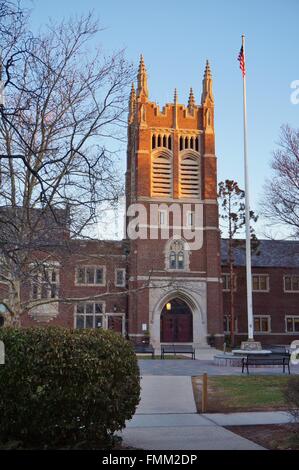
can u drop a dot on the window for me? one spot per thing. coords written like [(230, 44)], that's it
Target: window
[(161, 176), (190, 219), (90, 275), (89, 315), (120, 277), (153, 142), (291, 283), (189, 177), (161, 141), (180, 260), (227, 324), (181, 143), (262, 323), (260, 282), (177, 255), (45, 283), (292, 323), (226, 281), (172, 260), (162, 218), (185, 143)]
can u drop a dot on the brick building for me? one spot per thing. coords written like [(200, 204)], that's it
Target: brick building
[(167, 281)]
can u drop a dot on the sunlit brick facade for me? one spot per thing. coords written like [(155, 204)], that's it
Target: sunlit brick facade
[(157, 288)]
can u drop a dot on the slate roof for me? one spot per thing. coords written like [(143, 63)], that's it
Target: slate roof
[(270, 253)]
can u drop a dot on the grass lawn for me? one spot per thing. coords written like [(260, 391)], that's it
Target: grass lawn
[(271, 436), (242, 393)]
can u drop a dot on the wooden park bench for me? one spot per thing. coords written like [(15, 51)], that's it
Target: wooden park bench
[(273, 359), (177, 349), (144, 349)]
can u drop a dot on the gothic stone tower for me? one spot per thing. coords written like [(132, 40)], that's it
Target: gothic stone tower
[(175, 286)]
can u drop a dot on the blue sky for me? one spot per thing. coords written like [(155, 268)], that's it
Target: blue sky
[(177, 37)]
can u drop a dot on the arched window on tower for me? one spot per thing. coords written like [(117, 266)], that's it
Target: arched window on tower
[(169, 142), (164, 141), (172, 260), (153, 141), (181, 143), (180, 260), (177, 255)]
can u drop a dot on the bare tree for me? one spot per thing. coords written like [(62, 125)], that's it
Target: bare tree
[(60, 130), (232, 215), (280, 204)]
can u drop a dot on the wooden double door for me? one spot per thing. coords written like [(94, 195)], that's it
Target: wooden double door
[(176, 322)]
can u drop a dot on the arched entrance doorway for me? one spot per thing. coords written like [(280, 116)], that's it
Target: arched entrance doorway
[(176, 322)]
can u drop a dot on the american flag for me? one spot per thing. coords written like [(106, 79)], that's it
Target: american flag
[(241, 59)]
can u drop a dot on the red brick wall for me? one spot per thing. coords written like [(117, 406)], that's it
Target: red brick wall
[(276, 303)]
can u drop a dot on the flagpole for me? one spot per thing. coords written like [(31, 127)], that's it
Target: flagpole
[(247, 213)]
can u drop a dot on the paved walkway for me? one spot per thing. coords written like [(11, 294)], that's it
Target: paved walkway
[(166, 419), (166, 395), (249, 418), (188, 367)]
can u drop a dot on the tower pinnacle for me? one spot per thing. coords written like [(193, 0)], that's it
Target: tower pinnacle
[(207, 86), (191, 101), (175, 97), (132, 104), (142, 89)]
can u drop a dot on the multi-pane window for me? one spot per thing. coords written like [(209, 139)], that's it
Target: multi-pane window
[(227, 324), (120, 277), (45, 283), (176, 255), (291, 283), (262, 323), (89, 315), (226, 281), (292, 323), (90, 275), (260, 282)]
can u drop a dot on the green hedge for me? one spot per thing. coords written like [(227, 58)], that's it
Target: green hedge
[(62, 387)]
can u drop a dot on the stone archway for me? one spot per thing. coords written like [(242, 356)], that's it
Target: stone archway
[(176, 322), (194, 295)]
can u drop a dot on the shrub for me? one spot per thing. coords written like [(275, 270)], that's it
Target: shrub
[(61, 387)]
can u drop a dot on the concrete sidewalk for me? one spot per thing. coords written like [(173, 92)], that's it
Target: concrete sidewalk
[(166, 394), (182, 367), (249, 418), (166, 419)]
